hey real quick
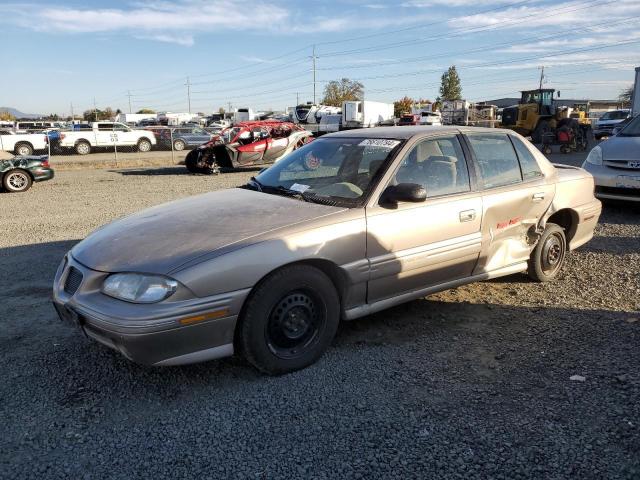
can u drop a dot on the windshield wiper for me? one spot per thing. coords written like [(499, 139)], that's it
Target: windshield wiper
[(255, 183), (291, 193)]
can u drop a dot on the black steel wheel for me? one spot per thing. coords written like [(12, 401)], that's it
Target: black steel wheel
[(549, 255), (294, 323), (289, 320)]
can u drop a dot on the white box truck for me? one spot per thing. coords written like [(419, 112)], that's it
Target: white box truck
[(366, 113), (134, 118), (243, 115)]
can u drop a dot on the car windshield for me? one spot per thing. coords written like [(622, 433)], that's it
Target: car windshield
[(230, 133), (632, 129), (337, 171)]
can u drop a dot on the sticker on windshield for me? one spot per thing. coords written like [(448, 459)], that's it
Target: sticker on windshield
[(379, 142), (298, 187)]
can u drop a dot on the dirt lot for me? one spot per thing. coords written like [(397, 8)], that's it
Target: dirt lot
[(470, 383)]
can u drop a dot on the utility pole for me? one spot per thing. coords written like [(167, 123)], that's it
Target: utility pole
[(72, 117), (129, 95), (229, 103), (541, 76), (188, 84), (95, 110), (297, 98), (313, 60)]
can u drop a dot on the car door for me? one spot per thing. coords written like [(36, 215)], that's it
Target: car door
[(199, 136), (105, 135), (254, 149), (124, 134), (515, 196), (411, 246)]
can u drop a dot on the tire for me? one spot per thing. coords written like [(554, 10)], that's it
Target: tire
[(549, 255), (289, 320), (16, 181), (179, 145), (23, 149), (539, 131), (144, 145), (83, 148)]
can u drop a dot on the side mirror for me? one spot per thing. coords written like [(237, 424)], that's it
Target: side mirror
[(404, 192)]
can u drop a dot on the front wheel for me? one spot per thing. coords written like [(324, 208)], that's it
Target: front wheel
[(144, 145), (16, 181), (289, 320), (179, 145), (549, 255)]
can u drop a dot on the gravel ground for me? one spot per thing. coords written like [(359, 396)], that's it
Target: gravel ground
[(470, 383)]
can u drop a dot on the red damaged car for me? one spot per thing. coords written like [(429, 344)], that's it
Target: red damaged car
[(247, 144)]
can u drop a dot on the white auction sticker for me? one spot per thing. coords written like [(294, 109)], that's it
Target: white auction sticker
[(379, 142), (298, 187)]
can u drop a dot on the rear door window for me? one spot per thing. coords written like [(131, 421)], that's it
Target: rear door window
[(528, 164), (496, 159)]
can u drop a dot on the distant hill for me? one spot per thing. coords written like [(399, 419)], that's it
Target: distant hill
[(19, 114)]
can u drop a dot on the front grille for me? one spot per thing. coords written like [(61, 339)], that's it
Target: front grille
[(73, 281), (622, 164)]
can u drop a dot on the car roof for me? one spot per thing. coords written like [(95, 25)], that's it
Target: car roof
[(406, 132)]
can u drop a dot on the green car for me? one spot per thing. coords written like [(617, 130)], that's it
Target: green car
[(18, 173)]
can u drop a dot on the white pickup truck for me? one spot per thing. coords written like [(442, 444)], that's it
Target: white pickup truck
[(106, 134), (22, 143)]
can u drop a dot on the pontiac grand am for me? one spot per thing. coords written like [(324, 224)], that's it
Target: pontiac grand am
[(350, 224)]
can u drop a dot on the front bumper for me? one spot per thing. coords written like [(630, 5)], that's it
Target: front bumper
[(615, 183), (150, 334)]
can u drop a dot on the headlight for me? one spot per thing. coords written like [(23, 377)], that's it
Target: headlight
[(595, 156), (138, 288)]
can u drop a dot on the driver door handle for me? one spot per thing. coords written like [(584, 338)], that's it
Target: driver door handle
[(538, 197), (467, 215)]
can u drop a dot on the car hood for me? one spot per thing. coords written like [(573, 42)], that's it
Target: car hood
[(162, 238), (621, 148)]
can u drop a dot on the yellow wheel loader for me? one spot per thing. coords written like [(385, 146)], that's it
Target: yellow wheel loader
[(537, 116)]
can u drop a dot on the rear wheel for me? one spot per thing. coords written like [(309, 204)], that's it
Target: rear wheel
[(549, 255), (83, 148), (23, 149), (16, 181), (289, 320), (179, 145)]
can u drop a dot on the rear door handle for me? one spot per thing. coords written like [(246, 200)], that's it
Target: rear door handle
[(467, 215), (538, 197)]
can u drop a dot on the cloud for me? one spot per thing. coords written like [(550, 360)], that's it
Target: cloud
[(550, 15), (451, 3), (184, 40), (174, 22)]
